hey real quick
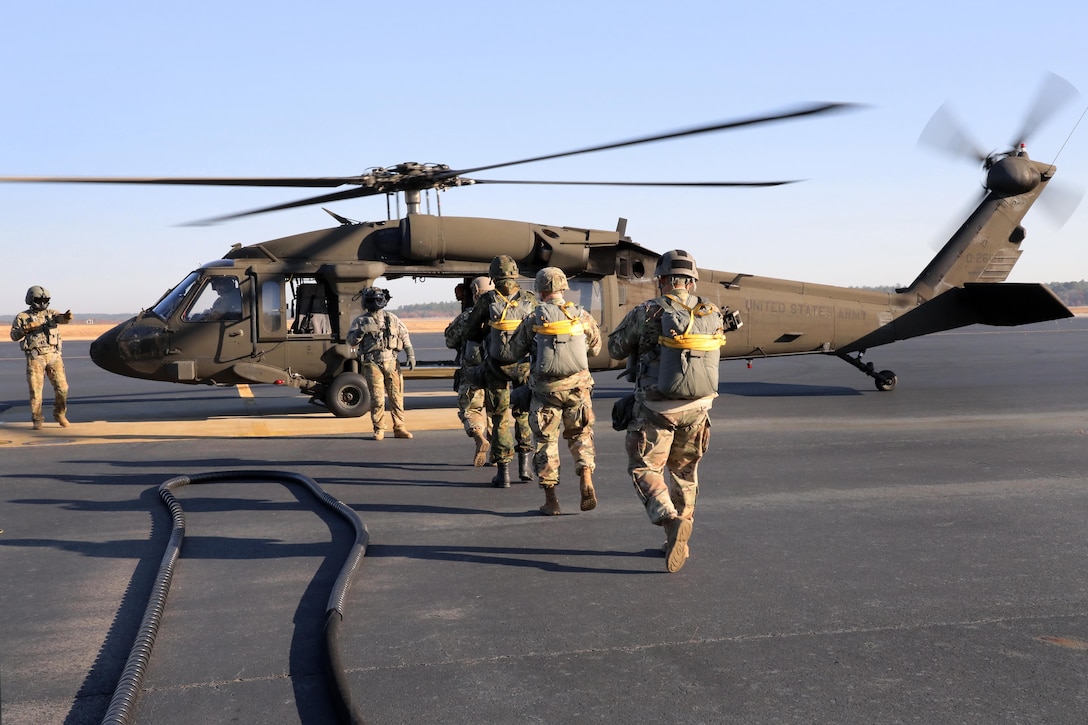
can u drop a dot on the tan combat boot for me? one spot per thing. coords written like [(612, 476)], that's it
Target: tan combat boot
[(678, 531), (589, 496), (379, 434), (402, 433), (482, 449), (37, 424), (61, 418), (551, 502)]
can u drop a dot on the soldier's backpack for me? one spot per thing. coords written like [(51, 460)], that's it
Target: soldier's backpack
[(690, 348), (560, 342)]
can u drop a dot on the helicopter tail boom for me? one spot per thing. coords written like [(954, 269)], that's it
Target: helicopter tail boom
[(983, 303)]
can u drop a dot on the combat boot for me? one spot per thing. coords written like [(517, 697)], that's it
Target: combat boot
[(61, 418), (37, 424), (678, 531), (482, 448), (402, 433), (502, 476), (551, 502), (525, 470), (589, 496), (379, 434)]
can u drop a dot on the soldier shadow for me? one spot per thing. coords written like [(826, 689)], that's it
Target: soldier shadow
[(543, 559)]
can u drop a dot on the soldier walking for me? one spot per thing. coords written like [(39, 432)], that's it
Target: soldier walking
[(470, 394), (494, 318), (674, 341), (380, 336), (561, 336), (35, 329)]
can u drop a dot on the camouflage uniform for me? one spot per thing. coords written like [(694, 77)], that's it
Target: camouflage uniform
[(380, 335), (561, 396), (509, 428), (470, 396), (36, 332), (665, 433)]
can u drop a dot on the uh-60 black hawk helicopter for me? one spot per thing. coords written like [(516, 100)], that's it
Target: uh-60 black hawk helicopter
[(278, 312)]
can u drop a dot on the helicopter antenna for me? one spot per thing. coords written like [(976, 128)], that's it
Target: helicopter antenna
[(1071, 132)]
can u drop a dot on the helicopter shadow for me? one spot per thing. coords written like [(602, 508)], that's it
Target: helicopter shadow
[(785, 390)]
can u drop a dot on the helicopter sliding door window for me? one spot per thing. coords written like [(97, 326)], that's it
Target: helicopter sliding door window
[(272, 306), (310, 309)]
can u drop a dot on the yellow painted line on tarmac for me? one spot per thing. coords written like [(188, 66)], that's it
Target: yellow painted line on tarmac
[(317, 423)]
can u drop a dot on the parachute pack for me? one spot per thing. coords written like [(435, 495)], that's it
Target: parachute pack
[(691, 340), (560, 342)]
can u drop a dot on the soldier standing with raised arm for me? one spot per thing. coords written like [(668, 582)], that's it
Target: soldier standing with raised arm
[(35, 329)]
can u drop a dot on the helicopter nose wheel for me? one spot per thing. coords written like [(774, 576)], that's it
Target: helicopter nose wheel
[(348, 396), (885, 380)]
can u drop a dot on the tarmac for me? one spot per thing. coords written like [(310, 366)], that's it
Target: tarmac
[(858, 557)]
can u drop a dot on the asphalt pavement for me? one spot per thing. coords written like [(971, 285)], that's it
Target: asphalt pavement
[(915, 556)]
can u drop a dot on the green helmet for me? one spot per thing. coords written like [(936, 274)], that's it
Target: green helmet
[(503, 267), (676, 262), (37, 297), (551, 279)]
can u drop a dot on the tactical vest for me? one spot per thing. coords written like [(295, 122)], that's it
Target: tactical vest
[(46, 340), (505, 314), (560, 342), (689, 349), (376, 334)]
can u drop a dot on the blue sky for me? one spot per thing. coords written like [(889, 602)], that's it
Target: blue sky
[(333, 88)]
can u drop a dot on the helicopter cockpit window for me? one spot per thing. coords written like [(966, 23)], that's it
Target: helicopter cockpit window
[(219, 299), (168, 305)]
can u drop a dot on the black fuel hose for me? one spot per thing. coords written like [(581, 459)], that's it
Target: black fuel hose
[(123, 703)]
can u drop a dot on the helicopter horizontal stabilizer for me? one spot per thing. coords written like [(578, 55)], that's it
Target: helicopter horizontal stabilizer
[(980, 303)]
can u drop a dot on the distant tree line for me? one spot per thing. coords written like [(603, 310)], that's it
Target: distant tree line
[(1073, 294), (429, 309)]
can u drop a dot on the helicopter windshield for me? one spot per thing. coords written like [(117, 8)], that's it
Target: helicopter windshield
[(168, 305)]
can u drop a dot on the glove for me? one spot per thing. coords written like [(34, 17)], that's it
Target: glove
[(411, 358), (67, 316)]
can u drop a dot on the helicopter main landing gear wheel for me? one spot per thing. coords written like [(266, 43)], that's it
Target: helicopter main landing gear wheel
[(348, 395), (885, 379)]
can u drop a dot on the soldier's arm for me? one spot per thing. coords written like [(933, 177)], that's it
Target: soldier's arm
[(593, 333), (63, 317), (354, 332), (454, 332), (18, 332), (624, 339)]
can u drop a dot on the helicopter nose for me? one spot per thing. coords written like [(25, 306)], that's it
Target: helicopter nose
[(106, 353)]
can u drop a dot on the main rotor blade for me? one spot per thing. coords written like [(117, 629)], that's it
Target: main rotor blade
[(337, 196), (331, 181), (641, 183), (721, 126), (1054, 93)]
